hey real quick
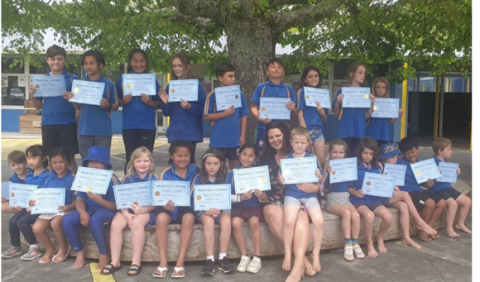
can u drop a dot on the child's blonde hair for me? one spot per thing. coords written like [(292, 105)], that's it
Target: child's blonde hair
[(137, 153), (382, 80), (301, 131), (440, 144)]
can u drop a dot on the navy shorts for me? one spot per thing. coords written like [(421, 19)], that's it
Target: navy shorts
[(448, 193), (419, 198), (372, 207), (61, 135), (179, 215), (229, 153)]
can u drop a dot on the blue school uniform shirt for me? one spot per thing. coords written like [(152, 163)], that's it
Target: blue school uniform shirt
[(378, 129), (351, 121), (367, 199), (137, 114), (226, 131), (15, 179), (270, 89), (439, 186), (253, 202), (95, 120), (58, 110), (185, 124), (109, 196), (410, 181), (292, 189), (310, 114), (53, 181), (136, 178), (339, 187), (38, 179)]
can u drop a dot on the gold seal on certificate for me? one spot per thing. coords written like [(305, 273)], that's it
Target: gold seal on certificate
[(167, 190)]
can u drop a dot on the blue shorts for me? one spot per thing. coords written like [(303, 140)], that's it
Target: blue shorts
[(372, 207), (316, 134), (448, 193), (229, 153)]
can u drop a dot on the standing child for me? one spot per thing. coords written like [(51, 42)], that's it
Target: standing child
[(370, 206), (139, 169), (180, 169), (275, 88), (247, 207), (228, 126), (310, 117), (379, 128), (295, 196), (92, 210), (185, 117), (60, 177), (95, 125)]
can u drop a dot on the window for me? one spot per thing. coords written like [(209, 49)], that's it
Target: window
[(12, 65), (13, 90)]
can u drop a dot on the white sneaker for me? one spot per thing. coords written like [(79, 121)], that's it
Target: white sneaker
[(255, 265), (244, 262)]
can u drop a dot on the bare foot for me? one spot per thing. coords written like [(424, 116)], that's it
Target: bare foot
[(427, 229), (316, 262), (287, 263), (102, 261), (62, 255), (80, 260), (435, 237), (47, 257), (452, 234), (371, 251), (409, 241), (296, 274), (309, 271), (424, 236), (463, 228), (381, 245)]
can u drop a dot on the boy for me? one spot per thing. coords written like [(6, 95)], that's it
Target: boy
[(431, 205), (228, 126), (442, 148), (274, 87), (59, 125)]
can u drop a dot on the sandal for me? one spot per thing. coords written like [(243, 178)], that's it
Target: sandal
[(135, 268), (110, 268), (45, 259), (162, 271), (176, 270), (57, 259)]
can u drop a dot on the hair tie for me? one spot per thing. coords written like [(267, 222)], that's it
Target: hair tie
[(209, 155)]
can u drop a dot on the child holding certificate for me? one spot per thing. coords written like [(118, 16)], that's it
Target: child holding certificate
[(379, 128), (139, 169), (185, 117), (442, 148), (247, 207), (180, 169), (92, 210), (310, 117)]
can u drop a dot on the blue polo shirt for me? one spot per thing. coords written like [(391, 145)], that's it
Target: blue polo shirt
[(253, 202), (351, 121), (439, 186), (270, 89), (137, 114), (226, 131), (292, 189), (38, 180), (185, 124), (310, 114), (367, 199), (378, 129), (136, 178), (109, 196), (14, 178), (95, 120), (53, 181), (57, 110), (410, 181), (339, 187)]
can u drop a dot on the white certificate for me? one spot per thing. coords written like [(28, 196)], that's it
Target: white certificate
[(87, 92), (449, 172), (248, 179), (20, 194), (48, 200), (212, 196), (137, 194), (320, 95), (92, 180), (396, 170), (228, 96), (49, 86), (166, 190), (356, 97), (425, 170), (379, 185), (186, 89), (343, 170), (274, 108), (138, 84), (299, 170), (385, 108)]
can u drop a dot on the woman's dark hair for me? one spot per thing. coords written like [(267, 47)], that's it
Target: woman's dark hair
[(369, 143), (96, 54), (130, 57), (268, 152), (60, 151), (305, 72), (177, 144)]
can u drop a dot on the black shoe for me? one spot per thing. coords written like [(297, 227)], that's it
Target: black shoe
[(225, 265), (209, 268)]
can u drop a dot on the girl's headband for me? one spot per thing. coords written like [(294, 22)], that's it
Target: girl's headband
[(209, 155)]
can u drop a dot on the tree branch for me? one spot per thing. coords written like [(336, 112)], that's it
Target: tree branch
[(198, 8), (203, 23), (278, 3)]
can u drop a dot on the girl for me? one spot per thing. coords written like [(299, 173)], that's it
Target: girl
[(60, 177), (180, 169), (214, 171), (95, 125), (247, 207), (351, 126), (379, 128), (139, 112), (313, 118), (140, 169), (337, 202), (186, 118), (370, 206)]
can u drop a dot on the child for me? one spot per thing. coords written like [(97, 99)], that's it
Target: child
[(247, 207), (140, 169), (95, 125), (370, 206), (351, 126), (228, 126), (294, 197), (430, 204), (442, 148), (92, 211), (274, 87), (310, 117), (379, 128), (402, 201), (60, 177), (337, 198), (139, 112), (214, 171), (59, 125), (180, 169), (185, 117)]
